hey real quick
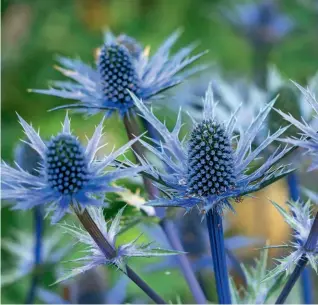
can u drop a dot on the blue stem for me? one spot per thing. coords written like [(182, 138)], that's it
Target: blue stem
[(306, 282), (215, 228), (301, 264), (38, 230), (109, 252), (309, 246), (166, 224), (184, 263)]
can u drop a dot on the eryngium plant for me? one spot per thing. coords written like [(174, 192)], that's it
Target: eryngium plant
[(210, 169), (69, 173), (214, 165), (122, 64)]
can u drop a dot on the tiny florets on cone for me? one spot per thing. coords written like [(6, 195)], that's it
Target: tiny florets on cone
[(66, 165), (210, 160), (118, 74)]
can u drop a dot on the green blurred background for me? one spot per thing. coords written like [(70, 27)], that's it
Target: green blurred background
[(35, 31)]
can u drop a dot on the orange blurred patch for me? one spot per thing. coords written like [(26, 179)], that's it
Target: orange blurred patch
[(257, 217)]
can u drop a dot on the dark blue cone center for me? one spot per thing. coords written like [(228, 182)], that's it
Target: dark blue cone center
[(210, 160), (118, 74), (66, 165)]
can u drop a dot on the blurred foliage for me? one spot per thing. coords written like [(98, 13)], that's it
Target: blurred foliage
[(35, 31)]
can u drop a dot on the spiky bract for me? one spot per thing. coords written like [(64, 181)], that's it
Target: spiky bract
[(96, 257), (300, 219), (308, 128), (256, 291)]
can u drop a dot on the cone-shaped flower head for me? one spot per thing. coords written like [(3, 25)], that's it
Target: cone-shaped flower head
[(308, 128), (96, 257), (215, 164), (118, 74), (122, 65), (69, 172), (210, 160)]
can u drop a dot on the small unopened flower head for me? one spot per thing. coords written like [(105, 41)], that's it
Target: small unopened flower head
[(122, 65), (118, 74), (261, 22), (69, 172), (210, 158)]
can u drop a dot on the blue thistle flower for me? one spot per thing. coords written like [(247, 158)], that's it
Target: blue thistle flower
[(263, 26), (95, 256), (260, 22), (309, 130), (69, 174), (122, 65), (214, 166)]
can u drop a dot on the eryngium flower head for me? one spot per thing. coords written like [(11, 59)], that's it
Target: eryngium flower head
[(261, 21), (121, 66), (309, 128), (215, 164), (300, 219), (69, 174), (22, 249), (96, 257), (210, 160)]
